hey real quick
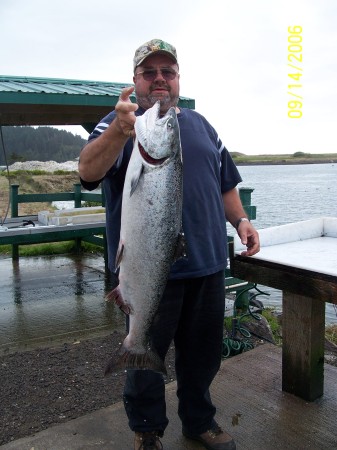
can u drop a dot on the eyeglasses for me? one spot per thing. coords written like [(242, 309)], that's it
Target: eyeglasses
[(167, 73)]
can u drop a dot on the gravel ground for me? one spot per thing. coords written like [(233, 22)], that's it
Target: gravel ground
[(53, 385)]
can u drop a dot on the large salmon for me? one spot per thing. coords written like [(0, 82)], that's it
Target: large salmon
[(151, 235)]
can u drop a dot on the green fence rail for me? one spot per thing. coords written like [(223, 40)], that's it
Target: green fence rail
[(96, 234), (92, 233)]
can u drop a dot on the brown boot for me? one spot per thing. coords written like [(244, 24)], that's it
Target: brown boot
[(147, 441), (214, 439)]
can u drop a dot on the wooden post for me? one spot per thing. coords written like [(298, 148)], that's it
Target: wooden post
[(303, 345)]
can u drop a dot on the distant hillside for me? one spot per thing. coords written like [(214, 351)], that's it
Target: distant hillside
[(241, 159), (39, 144)]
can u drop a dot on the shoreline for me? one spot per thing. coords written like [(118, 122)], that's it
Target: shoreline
[(284, 162), (281, 163)]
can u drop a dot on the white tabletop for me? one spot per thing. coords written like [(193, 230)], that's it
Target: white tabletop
[(309, 245)]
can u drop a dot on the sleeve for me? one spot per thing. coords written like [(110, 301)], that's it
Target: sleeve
[(90, 185), (230, 176), (102, 126)]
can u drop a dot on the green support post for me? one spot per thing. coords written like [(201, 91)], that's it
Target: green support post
[(246, 195), (14, 200), (14, 213), (246, 200), (77, 204), (77, 195)]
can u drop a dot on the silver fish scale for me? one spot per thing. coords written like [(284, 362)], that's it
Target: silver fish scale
[(151, 222)]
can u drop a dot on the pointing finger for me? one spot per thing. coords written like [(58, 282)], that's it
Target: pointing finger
[(125, 94), (124, 104)]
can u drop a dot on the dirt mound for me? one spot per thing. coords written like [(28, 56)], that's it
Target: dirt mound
[(29, 183)]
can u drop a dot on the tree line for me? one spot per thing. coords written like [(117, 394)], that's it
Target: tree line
[(39, 144)]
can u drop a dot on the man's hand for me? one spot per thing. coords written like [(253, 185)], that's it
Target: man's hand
[(234, 209), (99, 154), (249, 237), (125, 113)]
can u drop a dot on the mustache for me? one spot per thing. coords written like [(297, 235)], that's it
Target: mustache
[(160, 84)]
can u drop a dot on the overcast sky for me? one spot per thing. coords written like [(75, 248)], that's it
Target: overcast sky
[(233, 57)]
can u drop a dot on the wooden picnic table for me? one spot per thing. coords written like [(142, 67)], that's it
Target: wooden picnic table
[(20, 233), (301, 260), (28, 230)]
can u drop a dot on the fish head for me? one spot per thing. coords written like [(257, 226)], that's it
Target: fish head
[(158, 137)]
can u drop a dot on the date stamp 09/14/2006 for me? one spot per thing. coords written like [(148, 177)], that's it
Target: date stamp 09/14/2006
[(295, 102)]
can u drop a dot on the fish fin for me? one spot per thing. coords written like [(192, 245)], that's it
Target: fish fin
[(124, 359), (116, 296), (119, 255), (181, 247), (135, 180)]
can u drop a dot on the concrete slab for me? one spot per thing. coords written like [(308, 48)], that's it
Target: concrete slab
[(251, 406)]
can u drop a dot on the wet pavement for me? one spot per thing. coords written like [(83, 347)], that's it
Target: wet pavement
[(57, 299), (54, 299), (250, 403)]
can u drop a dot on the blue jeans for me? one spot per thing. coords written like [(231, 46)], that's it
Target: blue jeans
[(191, 314)]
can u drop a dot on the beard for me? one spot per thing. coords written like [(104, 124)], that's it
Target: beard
[(166, 99)]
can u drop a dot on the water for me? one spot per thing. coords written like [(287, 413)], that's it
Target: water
[(61, 298), (51, 300), (285, 194)]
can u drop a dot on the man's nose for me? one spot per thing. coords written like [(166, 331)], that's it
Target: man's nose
[(159, 76)]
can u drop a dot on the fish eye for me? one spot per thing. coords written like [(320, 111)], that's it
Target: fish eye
[(170, 123)]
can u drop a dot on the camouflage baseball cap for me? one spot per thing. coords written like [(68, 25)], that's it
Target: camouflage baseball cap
[(151, 47)]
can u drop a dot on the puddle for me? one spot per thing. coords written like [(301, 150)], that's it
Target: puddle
[(54, 299)]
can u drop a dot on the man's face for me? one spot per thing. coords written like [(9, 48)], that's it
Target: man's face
[(159, 86)]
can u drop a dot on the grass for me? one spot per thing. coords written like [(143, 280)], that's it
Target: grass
[(270, 316), (50, 248), (16, 173), (295, 158), (331, 333)]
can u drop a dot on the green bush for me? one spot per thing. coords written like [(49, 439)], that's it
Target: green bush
[(63, 172), (331, 333), (301, 155)]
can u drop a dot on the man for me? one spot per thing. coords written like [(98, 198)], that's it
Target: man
[(192, 308)]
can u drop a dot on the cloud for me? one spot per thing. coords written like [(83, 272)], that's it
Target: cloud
[(233, 58)]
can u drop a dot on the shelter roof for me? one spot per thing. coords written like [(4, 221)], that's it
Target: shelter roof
[(56, 101)]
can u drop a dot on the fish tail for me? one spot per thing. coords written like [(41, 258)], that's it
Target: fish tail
[(125, 359)]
